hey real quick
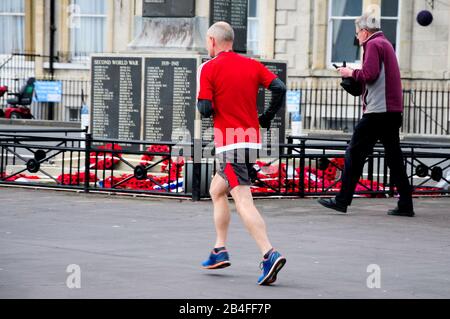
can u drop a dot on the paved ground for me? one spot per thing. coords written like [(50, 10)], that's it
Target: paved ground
[(142, 248)]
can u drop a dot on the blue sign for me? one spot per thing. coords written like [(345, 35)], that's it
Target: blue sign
[(48, 91), (293, 100), (296, 117)]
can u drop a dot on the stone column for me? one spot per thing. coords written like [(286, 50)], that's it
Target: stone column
[(286, 32), (267, 29), (39, 32), (407, 20), (320, 35), (64, 28), (202, 8), (447, 73), (29, 23), (110, 10)]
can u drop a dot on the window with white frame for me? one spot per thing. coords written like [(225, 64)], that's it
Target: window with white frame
[(253, 27), (390, 20), (12, 22), (342, 13), (87, 27)]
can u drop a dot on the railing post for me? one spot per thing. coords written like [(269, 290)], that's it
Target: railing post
[(290, 141), (197, 170), (302, 168), (370, 168), (51, 105), (87, 162), (391, 192), (413, 156)]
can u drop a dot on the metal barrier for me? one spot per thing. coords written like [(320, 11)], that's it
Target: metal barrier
[(321, 163), (88, 165), (69, 109), (326, 106), (304, 167), (18, 67)]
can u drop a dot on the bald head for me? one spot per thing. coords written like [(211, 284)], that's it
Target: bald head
[(222, 32)]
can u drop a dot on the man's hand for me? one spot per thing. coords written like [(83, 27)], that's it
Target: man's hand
[(205, 108), (264, 122), (346, 72), (278, 89)]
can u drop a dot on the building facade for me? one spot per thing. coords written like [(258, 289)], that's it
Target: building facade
[(310, 35)]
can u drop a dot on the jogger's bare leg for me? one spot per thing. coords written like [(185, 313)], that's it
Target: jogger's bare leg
[(222, 216), (251, 217)]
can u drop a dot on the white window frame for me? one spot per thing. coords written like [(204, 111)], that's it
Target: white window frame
[(398, 19), (331, 18), (258, 21), (330, 34), (86, 58), (14, 14)]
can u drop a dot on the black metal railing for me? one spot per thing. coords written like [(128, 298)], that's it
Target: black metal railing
[(427, 108), (15, 70), (69, 109), (51, 161), (304, 167), (326, 106), (320, 164)]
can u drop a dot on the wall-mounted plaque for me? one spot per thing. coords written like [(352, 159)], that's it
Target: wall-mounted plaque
[(265, 96), (235, 12), (116, 97), (169, 8), (170, 97)]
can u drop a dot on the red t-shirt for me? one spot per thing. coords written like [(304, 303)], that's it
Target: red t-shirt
[(231, 82)]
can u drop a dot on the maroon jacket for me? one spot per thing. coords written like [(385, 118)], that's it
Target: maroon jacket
[(380, 74)]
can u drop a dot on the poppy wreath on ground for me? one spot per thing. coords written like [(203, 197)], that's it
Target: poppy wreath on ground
[(16, 177), (149, 184), (111, 181), (256, 190), (332, 169), (75, 179), (369, 186), (314, 179), (146, 158), (152, 182), (269, 178), (330, 173), (105, 160), (267, 170), (176, 169), (165, 165), (339, 162)]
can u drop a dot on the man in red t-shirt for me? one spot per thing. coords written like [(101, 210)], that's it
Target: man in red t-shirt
[(229, 85)]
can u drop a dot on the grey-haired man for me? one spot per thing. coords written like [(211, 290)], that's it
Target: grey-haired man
[(382, 119)]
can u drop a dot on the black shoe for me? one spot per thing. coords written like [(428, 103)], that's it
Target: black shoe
[(401, 212), (333, 204)]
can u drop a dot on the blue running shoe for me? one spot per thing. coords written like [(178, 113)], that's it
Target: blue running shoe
[(270, 267), (217, 260)]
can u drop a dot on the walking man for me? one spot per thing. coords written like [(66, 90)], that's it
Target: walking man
[(229, 85), (382, 119)]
